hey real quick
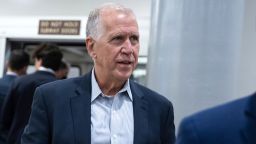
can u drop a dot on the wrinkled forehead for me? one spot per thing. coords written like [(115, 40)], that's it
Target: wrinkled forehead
[(109, 17)]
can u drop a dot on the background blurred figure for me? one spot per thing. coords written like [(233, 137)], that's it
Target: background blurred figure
[(62, 72), (231, 123), (17, 105), (16, 66)]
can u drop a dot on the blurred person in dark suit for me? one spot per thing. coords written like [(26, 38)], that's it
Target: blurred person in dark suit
[(104, 106), (17, 105), (62, 72), (230, 123), (17, 64)]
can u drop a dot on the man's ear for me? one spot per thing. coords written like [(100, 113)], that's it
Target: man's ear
[(90, 47)]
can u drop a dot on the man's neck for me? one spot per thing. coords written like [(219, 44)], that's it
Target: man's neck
[(108, 85)]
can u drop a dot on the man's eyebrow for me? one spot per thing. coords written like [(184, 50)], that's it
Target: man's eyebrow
[(116, 34), (135, 33)]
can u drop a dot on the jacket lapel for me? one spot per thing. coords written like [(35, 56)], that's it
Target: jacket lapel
[(249, 130), (140, 109), (81, 110)]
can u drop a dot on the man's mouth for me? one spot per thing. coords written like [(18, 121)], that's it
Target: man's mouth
[(125, 62)]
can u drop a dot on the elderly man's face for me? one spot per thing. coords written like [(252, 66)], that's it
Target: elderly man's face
[(117, 47)]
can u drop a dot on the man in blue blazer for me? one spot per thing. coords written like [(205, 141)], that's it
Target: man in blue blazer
[(16, 66), (104, 106), (17, 105), (231, 123)]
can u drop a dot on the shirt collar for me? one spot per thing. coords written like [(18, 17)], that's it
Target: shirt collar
[(11, 73), (96, 91), (41, 68)]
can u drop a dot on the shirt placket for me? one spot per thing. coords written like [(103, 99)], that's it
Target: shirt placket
[(115, 121)]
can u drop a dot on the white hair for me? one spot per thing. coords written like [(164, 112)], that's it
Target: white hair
[(94, 25)]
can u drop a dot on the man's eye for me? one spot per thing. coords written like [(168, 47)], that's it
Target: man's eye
[(118, 38), (134, 39)]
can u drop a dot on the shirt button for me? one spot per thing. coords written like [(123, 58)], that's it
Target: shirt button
[(114, 140)]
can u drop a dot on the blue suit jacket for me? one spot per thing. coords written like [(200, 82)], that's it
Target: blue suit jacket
[(17, 105), (5, 83), (61, 114), (232, 123)]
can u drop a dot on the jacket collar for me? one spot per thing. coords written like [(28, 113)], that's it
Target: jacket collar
[(81, 109), (140, 112), (44, 73)]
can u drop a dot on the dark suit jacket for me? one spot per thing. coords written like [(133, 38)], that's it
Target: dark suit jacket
[(17, 105), (232, 123), (61, 114), (5, 83)]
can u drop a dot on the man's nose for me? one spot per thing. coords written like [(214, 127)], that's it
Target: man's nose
[(127, 47)]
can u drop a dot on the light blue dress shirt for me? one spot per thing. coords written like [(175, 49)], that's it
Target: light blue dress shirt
[(112, 119)]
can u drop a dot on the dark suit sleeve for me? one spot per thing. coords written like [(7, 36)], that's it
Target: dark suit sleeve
[(37, 129), (187, 132), (168, 136), (8, 108)]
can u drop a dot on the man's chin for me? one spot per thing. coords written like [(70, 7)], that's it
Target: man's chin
[(124, 76)]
